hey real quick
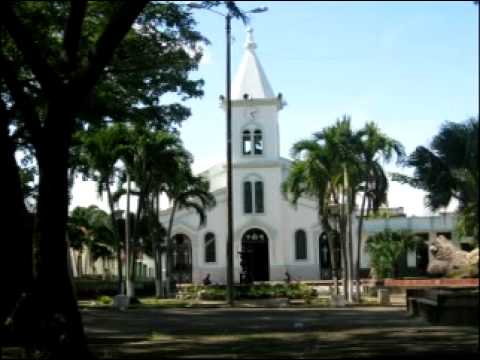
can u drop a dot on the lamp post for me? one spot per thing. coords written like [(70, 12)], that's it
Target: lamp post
[(228, 18)]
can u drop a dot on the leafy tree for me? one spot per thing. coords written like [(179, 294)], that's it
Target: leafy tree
[(448, 170), (385, 249), (64, 64)]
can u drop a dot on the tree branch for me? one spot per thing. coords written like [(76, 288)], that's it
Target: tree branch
[(73, 30), (22, 101), (115, 31), (45, 75)]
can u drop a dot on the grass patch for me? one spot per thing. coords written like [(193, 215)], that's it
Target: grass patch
[(165, 303)]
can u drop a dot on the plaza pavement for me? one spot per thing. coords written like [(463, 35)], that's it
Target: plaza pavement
[(272, 333)]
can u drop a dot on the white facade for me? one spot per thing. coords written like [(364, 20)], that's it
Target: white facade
[(82, 264), (255, 111), (428, 226)]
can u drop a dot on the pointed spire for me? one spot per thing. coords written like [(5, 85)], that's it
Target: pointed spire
[(250, 78), (250, 42)]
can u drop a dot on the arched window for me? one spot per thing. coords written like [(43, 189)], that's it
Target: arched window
[(259, 197), (300, 245), (253, 195), (210, 251), (258, 142), (247, 142)]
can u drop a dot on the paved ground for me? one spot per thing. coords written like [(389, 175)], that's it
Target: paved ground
[(294, 333)]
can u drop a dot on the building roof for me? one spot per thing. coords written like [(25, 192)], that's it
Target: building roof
[(250, 78)]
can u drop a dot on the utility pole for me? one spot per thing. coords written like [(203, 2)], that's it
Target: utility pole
[(230, 295)]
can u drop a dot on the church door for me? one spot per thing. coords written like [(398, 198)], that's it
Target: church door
[(324, 257), (182, 259), (255, 250)]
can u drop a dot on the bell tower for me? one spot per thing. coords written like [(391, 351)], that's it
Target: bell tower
[(255, 131)]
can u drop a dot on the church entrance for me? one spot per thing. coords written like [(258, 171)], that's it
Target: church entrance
[(182, 259), (324, 257), (255, 260)]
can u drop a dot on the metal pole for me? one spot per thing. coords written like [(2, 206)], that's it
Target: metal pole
[(229, 174), (127, 241)]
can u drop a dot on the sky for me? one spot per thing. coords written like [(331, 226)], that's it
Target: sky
[(408, 66)]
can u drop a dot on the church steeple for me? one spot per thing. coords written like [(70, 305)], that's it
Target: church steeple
[(250, 79), (255, 109)]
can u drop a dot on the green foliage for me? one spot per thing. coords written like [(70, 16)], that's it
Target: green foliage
[(91, 227), (105, 300), (256, 291), (448, 170), (385, 249)]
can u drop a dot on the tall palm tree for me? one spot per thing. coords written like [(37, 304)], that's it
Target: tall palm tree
[(151, 161), (186, 191), (100, 150), (373, 149), (314, 173), (449, 170), (342, 143)]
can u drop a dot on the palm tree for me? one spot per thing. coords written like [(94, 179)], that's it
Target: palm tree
[(373, 149), (90, 227), (100, 150), (315, 173), (449, 170), (151, 161), (186, 191), (342, 143)]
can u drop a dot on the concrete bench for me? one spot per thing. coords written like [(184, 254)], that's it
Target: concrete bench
[(445, 306)]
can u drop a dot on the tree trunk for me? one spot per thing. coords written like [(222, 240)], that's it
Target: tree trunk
[(17, 229), (55, 296), (359, 247), (169, 274), (347, 231), (130, 286), (157, 254), (343, 255), (343, 242), (350, 255), (116, 235)]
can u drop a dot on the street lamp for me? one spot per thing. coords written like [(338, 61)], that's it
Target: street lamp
[(228, 18)]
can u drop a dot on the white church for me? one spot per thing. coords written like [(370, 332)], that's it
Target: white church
[(275, 236)]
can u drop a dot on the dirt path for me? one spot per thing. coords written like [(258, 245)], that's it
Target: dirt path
[(294, 333)]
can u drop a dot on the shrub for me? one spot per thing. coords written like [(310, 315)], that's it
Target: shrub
[(385, 248), (105, 300), (257, 291)]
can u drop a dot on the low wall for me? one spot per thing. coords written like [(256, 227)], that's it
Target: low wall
[(412, 283)]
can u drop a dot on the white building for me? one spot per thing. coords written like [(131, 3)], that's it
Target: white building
[(278, 237), (427, 228)]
